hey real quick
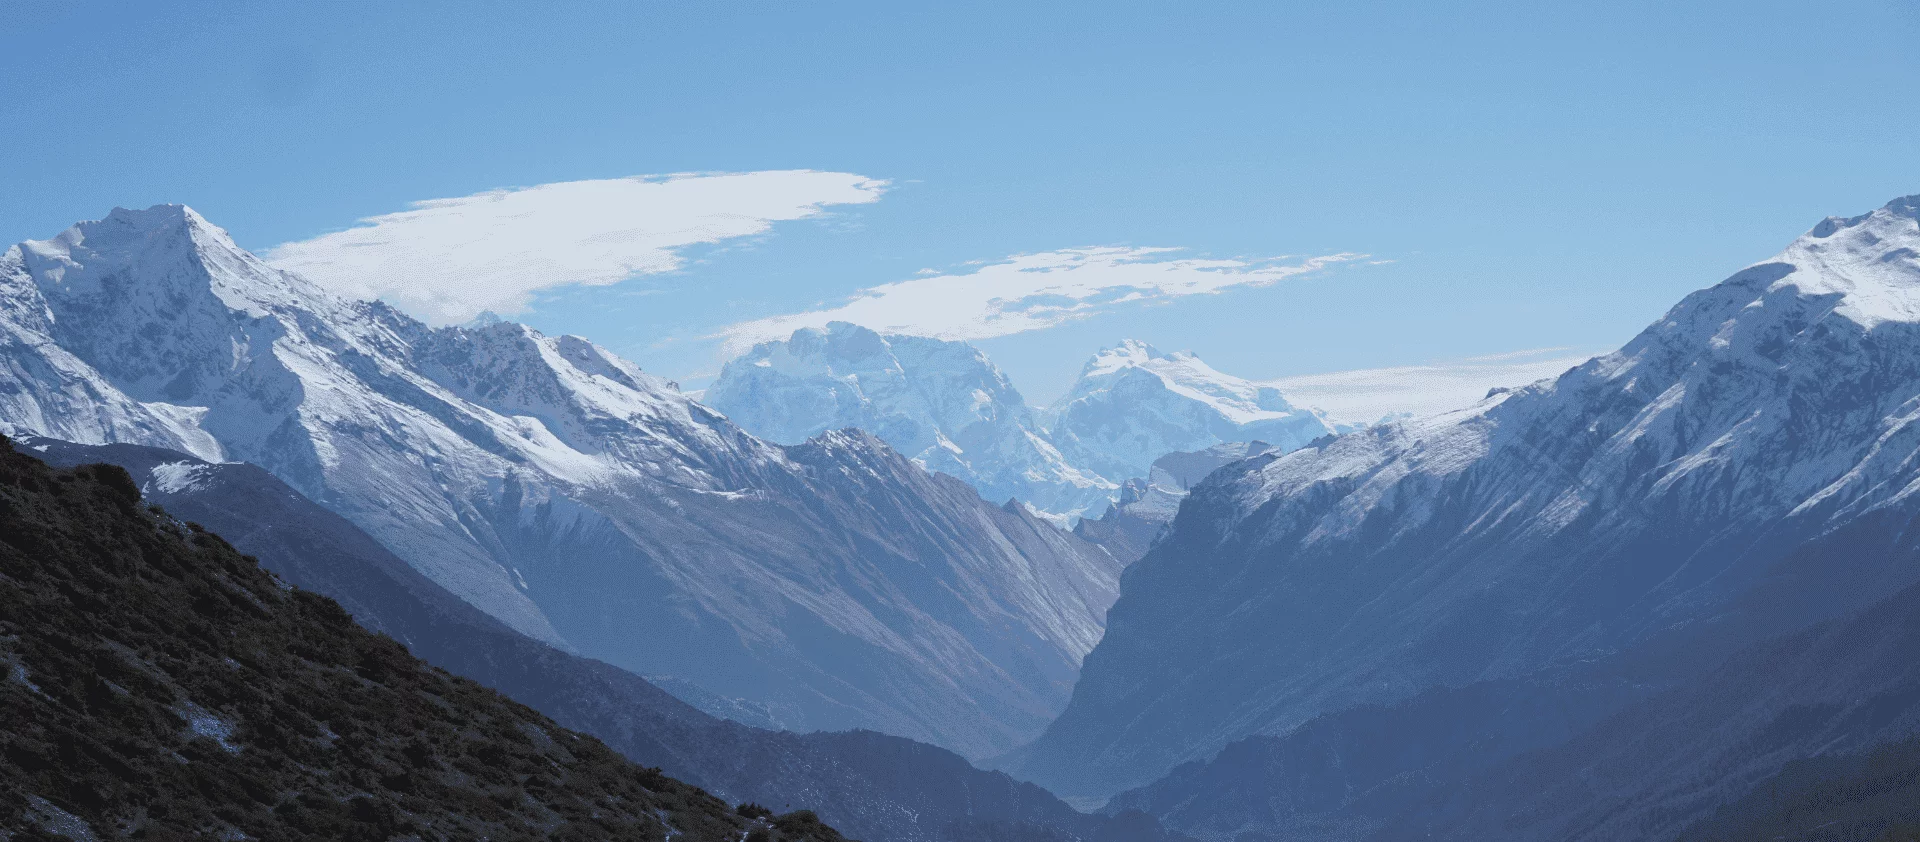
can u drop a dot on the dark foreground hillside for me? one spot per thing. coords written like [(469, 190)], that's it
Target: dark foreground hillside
[(159, 685), (876, 787)]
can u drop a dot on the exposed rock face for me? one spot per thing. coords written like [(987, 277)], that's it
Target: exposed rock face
[(562, 490)]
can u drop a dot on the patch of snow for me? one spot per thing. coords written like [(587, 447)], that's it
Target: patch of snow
[(202, 723), (179, 477), (51, 819)]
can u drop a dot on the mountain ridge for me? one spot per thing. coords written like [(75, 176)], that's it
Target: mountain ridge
[(1661, 481), (561, 489)]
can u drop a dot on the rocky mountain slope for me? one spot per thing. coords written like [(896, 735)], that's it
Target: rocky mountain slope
[(1633, 745), (1841, 687), (558, 488), (943, 404), (161, 685), (872, 786), (1133, 404), (1641, 495)]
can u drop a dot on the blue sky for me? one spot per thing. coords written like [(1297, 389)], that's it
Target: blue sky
[(1519, 177)]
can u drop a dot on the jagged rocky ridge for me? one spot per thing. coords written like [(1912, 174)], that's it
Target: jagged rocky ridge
[(869, 785), (563, 491), (159, 685), (943, 404), (1639, 498), (1133, 404)]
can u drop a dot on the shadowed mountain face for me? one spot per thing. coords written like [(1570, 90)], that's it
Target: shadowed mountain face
[(161, 685), (872, 786), (1641, 496), (580, 501), (1598, 750), (1870, 795)]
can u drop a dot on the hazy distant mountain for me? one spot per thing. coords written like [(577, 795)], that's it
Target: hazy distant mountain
[(943, 404), (1147, 504), (562, 490), (1133, 404), (1645, 495)]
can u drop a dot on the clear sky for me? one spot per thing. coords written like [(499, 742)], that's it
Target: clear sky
[(1518, 177)]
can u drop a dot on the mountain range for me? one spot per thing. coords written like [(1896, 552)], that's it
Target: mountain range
[(951, 410), (1599, 606), (1672, 592), (943, 404), (579, 500)]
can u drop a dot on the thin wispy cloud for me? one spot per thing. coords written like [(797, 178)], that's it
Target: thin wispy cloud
[(1028, 292), (447, 260), (1368, 395)]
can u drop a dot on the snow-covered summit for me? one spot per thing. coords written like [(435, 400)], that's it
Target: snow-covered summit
[(1870, 260), (1134, 403), (943, 404), (1239, 401), (90, 262)]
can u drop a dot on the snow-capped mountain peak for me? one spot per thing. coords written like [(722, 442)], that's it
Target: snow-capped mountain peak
[(943, 404), (1134, 403), (1240, 401), (165, 250), (1870, 260)]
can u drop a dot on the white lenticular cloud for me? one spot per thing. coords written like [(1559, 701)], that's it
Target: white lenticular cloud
[(1027, 292), (448, 260), (1369, 395)]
